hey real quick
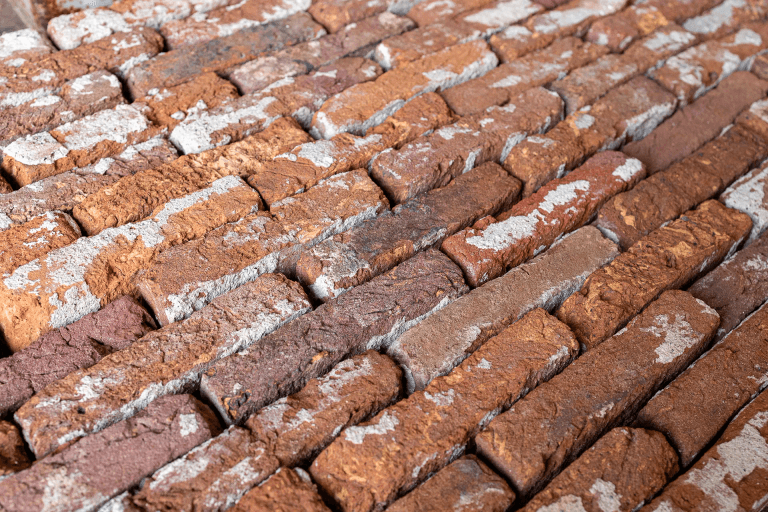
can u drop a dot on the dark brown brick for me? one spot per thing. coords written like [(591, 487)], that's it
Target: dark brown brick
[(725, 18)]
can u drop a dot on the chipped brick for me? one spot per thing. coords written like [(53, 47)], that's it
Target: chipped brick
[(288, 489)]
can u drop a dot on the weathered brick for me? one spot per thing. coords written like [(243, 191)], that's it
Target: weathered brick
[(337, 14), (503, 83), (366, 105), (69, 31), (748, 195), (107, 463), (427, 12), (730, 475), (668, 257), (756, 118), (34, 239), (369, 465), (536, 222), (466, 484), (433, 160), (5, 187), (288, 489), (370, 316), (442, 341), (553, 424), (13, 452), (620, 30), (760, 66), (156, 13), (21, 46), (623, 469), (681, 11), (178, 66), (70, 282), (726, 18), (56, 354), (161, 363)]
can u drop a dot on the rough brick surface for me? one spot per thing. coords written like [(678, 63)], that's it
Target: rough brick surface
[(620, 30), (163, 362), (34, 239), (286, 490), (748, 195), (370, 316), (553, 424), (624, 468), (667, 258), (432, 427), (725, 18), (13, 452), (69, 31), (154, 13), (427, 12), (337, 14), (20, 46), (109, 462)]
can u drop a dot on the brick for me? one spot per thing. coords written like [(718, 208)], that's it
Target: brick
[(620, 30), (225, 21), (726, 18), (356, 40), (756, 118), (34, 239), (161, 363), (535, 223), (5, 187), (13, 452), (352, 258), (694, 407), (433, 160), (697, 70), (602, 389), (625, 467), (668, 257), (308, 163), (298, 97), (370, 465), (109, 462), (442, 341), (503, 83), (337, 14), (465, 484), (760, 67), (68, 283), (626, 113), (178, 66), (69, 31), (681, 11), (495, 16), (288, 489), (366, 105), (368, 317), (698, 122), (748, 195), (135, 197), (21, 46), (428, 12), (732, 473), (156, 13), (56, 354)]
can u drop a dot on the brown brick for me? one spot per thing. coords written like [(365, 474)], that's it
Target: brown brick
[(756, 118), (433, 160), (668, 257), (69, 31), (21, 46), (286, 490), (13, 452), (503, 83), (337, 14), (155, 13), (369, 465), (34, 239), (725, 18), (603, 388), (466, 484), (70, 282), (79, 345), (620, 30), (536, 222), (5, 187), (681, 11), (442, 341), (109, 462), (622, 470), (748, 195), (760, 67), (178, 66), (161, 363), (370, 316), (428, 12), (733, 474)]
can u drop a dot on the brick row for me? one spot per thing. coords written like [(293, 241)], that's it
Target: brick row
[(442, 341), (433, 160), (432, 427), (352, 258), (370, 316), (485, 252), (747, 194), (163, 362), (553, 424), (34, 239), (668, 257), (287, 489), (21, 46), (70, 282), (107, 463), (13, 452), (337, 14)]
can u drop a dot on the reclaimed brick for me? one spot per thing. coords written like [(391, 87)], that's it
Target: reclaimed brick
[(163, 362), (56, 354), (432, 427), (34, 239), (178, 66), (731, 474), (5, 187), (109, 462), (623, 469), (726, 18), (70, 282), (493, 17), (337, 14), (69, 31), (156, 13), (760, 67), (695, 406), (680, 11), (13, 452), (427, 12), (365, 105), (442, 341), (286, 490), (755, 118), (503, 83), (748, 195), (601, 389), (21, 46), (433, 160), (619, 30), (368, 317), (668, 257), (536, 222), (466, 484)]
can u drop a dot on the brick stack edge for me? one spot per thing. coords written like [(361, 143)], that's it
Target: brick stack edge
[(356, 255)]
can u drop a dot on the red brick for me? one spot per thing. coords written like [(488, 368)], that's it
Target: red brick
[(69, 31), (748, 195), (427, 12), (725, 18), (22, 46), (680, 11), (620, 30), (13, 452), (760, 67), (286, 490), (337, 14), (34, 239)]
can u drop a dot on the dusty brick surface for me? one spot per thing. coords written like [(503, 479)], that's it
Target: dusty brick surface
[(336, 14), (34, 239), (432, 427), (619, 30), (667, 258), (725, 18), (21, 46), (598, 391), (288, 489), (13, 453), (430, 11), (748, 195)]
